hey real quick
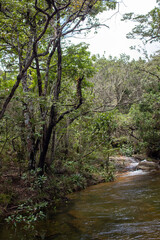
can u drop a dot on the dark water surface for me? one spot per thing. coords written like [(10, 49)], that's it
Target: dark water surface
[(126, 209)]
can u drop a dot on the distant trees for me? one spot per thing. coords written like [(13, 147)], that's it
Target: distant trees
[(132, 87), (118, 83), (145, 114)]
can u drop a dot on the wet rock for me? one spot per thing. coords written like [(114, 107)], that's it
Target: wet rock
[(123, 163), (148, 165), (139, 157)]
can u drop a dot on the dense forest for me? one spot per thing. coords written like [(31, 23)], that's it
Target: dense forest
[(64, 112)]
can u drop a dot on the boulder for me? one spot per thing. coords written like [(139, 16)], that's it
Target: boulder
[(124, 163), (139, 157), (148, 165)]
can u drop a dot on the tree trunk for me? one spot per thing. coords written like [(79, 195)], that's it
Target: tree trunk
[(53, 147), (66, 138), (53, 116), (46, 139), (28, 113)]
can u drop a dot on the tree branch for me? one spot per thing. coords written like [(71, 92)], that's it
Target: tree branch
[(151, 73), (79, 95), (19, 77)]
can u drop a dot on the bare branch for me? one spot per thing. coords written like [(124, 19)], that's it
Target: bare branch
[(41, 10), (79, 95), (21, 74), (19, 77), (84, 29), (151, 73), (48, 66)]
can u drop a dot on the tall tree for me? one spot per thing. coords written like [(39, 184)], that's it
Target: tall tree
[(35, 42)]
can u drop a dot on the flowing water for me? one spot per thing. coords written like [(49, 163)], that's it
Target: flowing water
[(126, 209)]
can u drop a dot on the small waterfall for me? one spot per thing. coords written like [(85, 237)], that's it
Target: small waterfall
[(132, 168), (133, 164)]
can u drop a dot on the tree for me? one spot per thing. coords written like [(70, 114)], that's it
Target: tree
[(34, 43), (146, 123), (117, 83), (148, 27), (146, 113)]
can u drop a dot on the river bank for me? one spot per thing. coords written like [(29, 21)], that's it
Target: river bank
[(25, 197), (18, 190), (127, 208)]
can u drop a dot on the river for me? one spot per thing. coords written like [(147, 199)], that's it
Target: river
[(126, 209)]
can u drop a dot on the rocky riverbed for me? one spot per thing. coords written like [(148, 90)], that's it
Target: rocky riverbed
[(124, 163)]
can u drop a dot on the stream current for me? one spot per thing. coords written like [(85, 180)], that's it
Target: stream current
[(126, 209)]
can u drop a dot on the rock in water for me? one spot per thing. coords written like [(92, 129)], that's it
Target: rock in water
[(147, 165)]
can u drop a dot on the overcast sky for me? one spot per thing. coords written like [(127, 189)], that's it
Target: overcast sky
[(113, 41)]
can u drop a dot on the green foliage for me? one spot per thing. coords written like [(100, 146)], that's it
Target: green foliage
[(87, 135), (36, 41), (146, 118), (104, 126), (77, 181), (127, 150), (27, 214), (78, 61), (70, 183), (147, 28), (115, 82), (36, 180)]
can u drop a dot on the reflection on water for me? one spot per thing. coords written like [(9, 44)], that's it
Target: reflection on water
[(128, 208)]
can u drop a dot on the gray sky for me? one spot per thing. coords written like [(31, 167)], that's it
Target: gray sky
[(113, 41)]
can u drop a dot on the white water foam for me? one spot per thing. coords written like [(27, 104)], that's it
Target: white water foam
[(132, 165), (137, 172)]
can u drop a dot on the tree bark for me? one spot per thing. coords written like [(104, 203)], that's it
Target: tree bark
[(53, 115), (46, 139), (53, 122), (30, 132), (53, 147)]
